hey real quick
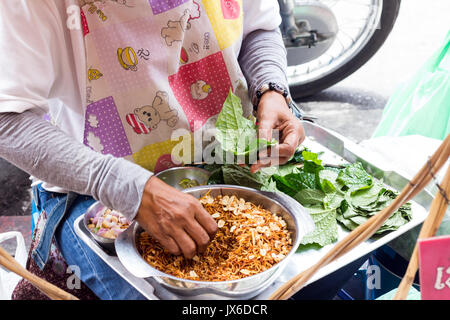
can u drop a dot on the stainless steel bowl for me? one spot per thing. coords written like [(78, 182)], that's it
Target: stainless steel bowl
[(91, 212), (298, 222), (174, 176)]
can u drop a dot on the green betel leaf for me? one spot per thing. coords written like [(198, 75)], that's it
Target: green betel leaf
[(311, 156), (309, 197), (298, 155), (330, 175), (327, 186), (241, 176), (311, 162), (284, 186), (231, 116), (349, 224), (285, 170), (395, 221), (216, 177), (235, 133), (366, 197), (333, 200), (270, 186), (326, 226), (355, 178), (294, 182)]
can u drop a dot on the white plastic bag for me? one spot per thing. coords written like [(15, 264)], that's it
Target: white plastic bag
[(9, 280)]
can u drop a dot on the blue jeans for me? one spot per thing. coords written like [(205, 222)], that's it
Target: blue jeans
[(62, 211)]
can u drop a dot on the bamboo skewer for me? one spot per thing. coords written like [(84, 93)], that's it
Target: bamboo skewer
[(366, 230), (429, 229), (52, 291), (11, 267)]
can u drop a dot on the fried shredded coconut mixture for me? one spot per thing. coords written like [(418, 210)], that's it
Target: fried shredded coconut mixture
[(249, 240)]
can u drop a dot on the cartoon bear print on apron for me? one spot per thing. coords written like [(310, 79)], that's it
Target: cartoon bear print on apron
[(156, 66)]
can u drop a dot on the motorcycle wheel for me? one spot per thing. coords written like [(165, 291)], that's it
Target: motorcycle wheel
[(300, 89)]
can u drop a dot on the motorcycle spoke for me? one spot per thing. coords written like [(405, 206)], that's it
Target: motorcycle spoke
[(353, 33)]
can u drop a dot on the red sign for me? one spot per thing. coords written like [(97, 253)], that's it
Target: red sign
[(434, 259)]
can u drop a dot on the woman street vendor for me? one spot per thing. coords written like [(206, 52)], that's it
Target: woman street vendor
[(91, 92)]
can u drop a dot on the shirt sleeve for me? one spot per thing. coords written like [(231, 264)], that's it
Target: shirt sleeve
[(34, 64), (261, 15), (47, 153), (263, 56)]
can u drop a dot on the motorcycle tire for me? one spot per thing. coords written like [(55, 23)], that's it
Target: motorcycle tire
[(388, 17)]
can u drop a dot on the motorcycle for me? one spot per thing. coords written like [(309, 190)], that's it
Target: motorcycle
[(328, 40)]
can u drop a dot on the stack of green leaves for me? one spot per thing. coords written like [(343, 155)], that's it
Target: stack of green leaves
[(347, 195), (314, 187), (361, 205)]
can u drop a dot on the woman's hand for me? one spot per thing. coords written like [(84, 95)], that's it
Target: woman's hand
[(274, 114), (176, 219)]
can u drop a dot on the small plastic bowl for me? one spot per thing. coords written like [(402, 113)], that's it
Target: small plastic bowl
[(182, 178)]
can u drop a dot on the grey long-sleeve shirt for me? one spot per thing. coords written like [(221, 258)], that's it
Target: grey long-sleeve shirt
[(47, 153)]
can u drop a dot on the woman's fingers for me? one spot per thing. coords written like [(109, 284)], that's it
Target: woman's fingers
[(186, 244), (279, 154), (167, 242), (175, 219), (205, 220), (292, 135), (193, 228), (265, 129), (199, 235)]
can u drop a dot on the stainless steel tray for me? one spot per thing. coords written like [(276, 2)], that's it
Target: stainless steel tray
[(337, 150), (112, 260)]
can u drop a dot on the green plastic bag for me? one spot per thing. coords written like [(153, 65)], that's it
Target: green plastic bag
[(422, 105)]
